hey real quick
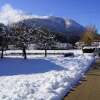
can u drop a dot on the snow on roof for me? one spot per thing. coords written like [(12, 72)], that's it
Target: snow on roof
[(89, 47)]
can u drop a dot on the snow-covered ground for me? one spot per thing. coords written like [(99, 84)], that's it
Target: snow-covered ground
[(39, 53), (41, 78)]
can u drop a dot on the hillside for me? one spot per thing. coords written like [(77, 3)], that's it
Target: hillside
[(65, 29)]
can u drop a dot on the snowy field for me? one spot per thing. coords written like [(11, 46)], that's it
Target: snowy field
[(41, 78)]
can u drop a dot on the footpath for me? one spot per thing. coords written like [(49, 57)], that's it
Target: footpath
[(90, 87)]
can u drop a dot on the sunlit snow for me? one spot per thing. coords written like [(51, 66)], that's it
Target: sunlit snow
[(41, 78)]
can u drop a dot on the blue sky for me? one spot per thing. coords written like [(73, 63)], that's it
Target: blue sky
[(86, 12)]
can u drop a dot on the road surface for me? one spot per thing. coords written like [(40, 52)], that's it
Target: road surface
[(90, 87)]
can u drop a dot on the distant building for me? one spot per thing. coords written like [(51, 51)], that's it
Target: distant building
[(63, 45), (32, 46), (79, 45), (11, 47)]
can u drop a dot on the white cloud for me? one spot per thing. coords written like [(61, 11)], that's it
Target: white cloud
[(10, 15)]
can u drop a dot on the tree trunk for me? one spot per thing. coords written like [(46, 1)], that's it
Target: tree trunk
[(45, 53), (2, 50), (24, 53)]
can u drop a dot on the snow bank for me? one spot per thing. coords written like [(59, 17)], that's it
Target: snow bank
[(55, 77)]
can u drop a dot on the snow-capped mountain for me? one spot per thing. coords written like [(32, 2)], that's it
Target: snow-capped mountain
[(67, 27), (56, 24)]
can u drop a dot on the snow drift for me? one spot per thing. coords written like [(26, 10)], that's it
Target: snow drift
[(40, 79)]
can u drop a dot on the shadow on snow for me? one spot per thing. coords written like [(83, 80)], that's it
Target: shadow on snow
[(17, 66)]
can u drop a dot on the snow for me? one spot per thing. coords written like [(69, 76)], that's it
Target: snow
[(43, 51), (40, 53), (41, 78)]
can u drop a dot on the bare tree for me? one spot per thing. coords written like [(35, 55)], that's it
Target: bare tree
[(21, 37), (89, 34), (3, 39), (44, 39)]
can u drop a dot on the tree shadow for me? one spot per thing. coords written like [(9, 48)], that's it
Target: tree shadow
[(16, 66)]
